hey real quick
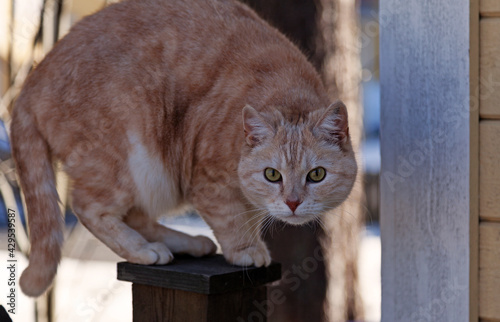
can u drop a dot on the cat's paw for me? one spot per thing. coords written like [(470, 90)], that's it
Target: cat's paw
[(257, 255), (153, 254), (202, 246)]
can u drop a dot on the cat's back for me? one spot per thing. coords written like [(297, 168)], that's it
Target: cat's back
[(156, 65), (147, 43), (149, 64), (130, 29)]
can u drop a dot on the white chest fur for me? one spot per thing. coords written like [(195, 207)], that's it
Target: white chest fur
[(156, 191)]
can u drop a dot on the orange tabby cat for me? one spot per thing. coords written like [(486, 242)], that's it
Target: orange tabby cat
[(151, 105)]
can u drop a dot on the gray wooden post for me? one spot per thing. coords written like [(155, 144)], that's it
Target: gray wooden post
[(199, 289), (426, 179)]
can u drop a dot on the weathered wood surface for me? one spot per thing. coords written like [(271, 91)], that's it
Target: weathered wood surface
[(489, 271), (199, 289), (160, 304), (489, 63), (474, 161), (489, 8), (489, 170), (207, 275), (425, 188)]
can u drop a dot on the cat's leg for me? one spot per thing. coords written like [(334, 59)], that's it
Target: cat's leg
[(176, 241), (105, 222), (236, 227)]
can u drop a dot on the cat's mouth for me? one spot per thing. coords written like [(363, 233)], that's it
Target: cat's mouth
[(294, 219)]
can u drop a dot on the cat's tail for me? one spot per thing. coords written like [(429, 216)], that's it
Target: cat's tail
[(45, 222)]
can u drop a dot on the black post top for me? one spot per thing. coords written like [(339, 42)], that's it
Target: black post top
[(206, 275)]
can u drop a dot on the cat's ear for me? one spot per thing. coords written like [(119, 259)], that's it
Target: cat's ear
[(333, 125), (255, 127)]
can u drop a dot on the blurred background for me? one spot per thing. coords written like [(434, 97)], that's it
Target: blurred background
[(340, 37)]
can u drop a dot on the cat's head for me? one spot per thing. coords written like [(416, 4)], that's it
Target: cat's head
[(296, 167)]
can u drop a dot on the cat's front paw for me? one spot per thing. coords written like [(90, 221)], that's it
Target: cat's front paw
[(202, 246), (152, 254), (257, 255)]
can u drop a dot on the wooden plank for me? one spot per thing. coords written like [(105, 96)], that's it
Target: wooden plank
[(489, 271), (207, 275), (489, 8), (489, 170), (160, 304), (425, 175), (249, 304), (489, 49), (474, 162)]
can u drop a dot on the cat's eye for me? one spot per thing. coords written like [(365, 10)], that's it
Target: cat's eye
[(272, 175), (316, 175)]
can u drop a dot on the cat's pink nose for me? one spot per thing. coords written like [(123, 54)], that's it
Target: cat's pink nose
[(293, 204)]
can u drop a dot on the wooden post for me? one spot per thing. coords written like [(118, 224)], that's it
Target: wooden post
[(338, 24), (429, 137), (199, 289)]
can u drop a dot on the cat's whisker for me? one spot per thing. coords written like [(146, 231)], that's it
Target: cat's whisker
[(250, 211), (250, 229), (321, 223), (339, 214), (268, 226)]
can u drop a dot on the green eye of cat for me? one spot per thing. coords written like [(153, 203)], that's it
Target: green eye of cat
[(272, 175), (316, 175)]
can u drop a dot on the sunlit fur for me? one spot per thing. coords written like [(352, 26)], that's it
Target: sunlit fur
[(143, 104)]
